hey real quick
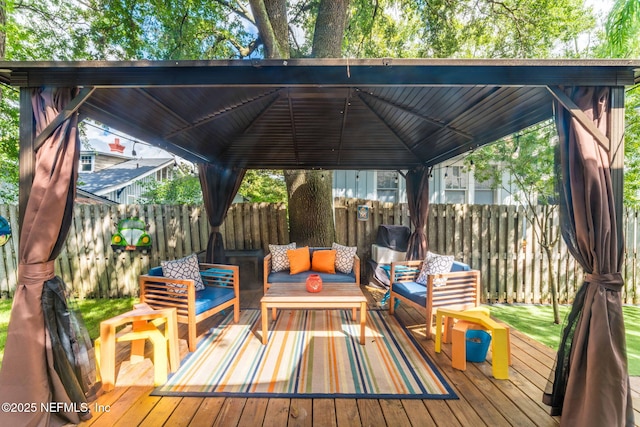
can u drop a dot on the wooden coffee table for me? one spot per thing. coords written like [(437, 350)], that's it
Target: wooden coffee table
[(295, 295)]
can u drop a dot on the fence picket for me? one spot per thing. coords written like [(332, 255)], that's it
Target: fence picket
[(497, 240)]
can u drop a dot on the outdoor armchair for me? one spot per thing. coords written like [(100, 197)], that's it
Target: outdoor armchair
[(221, 291), (459, 289)]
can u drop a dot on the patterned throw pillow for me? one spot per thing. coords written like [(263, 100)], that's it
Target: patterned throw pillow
[(279, 259), (183, 268), (344, 257), (435, 264)]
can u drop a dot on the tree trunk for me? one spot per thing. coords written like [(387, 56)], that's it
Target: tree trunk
[(270, 26), (329, 29), (310, 193), (310, 207), (551, 277), (3, 34), (277, 12)]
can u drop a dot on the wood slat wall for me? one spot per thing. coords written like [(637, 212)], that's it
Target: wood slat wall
[(496, 239)]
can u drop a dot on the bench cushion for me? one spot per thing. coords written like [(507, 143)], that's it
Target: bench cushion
[(211, 297), (412, 291)]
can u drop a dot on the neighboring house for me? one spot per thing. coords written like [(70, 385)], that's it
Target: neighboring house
[(118, 177), (454, 182), (450, 182), (385, 186)]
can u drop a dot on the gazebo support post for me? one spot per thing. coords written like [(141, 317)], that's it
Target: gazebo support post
[(616, 151), (27, 152)]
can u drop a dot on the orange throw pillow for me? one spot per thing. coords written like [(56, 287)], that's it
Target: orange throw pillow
[(324, 261), (299, 260)]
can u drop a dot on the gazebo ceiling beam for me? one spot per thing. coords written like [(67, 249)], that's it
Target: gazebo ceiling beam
[(448, 126), (345, 112), (429, 120), (293, 128), (278, 95), (219, 114), (383, 121), (144, 92)]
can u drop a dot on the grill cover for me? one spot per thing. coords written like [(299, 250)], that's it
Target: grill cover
[(394, 237)]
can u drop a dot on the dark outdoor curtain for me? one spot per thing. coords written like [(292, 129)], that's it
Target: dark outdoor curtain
[(590, 383), (219, 186), (36, 368), (418, 200)]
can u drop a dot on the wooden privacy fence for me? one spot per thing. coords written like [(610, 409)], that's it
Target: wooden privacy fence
[(495, 239)]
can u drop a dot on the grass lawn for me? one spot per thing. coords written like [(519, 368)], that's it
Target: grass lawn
[(536, 321), (93, 312)]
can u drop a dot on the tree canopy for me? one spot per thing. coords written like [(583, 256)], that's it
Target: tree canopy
[(205, 29)]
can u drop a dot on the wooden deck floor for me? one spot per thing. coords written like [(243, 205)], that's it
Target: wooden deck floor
[(483, 401)]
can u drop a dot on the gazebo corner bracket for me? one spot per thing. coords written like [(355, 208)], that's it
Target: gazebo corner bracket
[(69, 110), (580, 116)]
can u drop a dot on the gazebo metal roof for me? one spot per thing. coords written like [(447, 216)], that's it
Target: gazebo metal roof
[(320, 113)]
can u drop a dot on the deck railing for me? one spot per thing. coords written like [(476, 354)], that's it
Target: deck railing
[(495, 239)]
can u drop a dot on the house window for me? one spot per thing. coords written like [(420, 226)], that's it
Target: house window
[(456, 181), (86, 163), (484, 192), (387, 186)]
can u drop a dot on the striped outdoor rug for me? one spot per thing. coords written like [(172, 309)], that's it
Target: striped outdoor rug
[(311, 353)]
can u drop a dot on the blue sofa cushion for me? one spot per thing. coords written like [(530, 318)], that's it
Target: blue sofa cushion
[(285, 277), (412, 291), (459, 266), (211, 297), (156, 272)]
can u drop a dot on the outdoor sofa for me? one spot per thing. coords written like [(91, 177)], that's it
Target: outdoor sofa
[(285, 276)]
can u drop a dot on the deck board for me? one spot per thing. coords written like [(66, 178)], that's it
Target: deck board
[(254, 412), (324, 413), (207, 411), (183, 417), (347, 414), (277, 412), (483, 400)]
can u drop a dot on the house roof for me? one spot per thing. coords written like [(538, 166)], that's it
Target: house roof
[(120, 175), (321, 113), (83, 196)]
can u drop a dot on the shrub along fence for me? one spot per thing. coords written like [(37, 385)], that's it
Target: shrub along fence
[(495, 239)]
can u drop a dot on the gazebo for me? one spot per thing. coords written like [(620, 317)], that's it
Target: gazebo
[(229, 116)]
